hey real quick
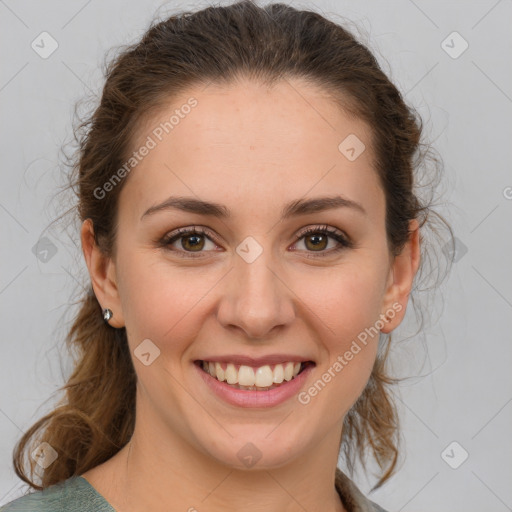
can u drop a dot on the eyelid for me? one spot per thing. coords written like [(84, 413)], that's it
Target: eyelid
[(178, 233), (190, 230), (330, 230), (344, 241)]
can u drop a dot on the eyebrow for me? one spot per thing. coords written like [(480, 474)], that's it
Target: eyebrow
[(292, 209)]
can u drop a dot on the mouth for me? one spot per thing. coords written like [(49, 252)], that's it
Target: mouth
[(249, 378)]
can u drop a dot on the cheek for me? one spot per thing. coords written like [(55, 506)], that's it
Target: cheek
[(347, 307), (345, 300), (347, 304), (161, 301)]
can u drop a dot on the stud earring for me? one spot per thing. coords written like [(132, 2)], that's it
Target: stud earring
[(107, 314)]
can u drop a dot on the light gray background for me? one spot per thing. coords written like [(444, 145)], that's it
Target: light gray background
[(465, 391)]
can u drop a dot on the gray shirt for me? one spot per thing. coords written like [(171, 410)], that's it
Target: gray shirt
[(76, 494)]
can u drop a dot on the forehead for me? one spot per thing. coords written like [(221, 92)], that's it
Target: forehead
[(254, 144)]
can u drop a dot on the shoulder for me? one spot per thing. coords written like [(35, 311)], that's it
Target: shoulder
[(376, 507), (353, 499), (73, 494)]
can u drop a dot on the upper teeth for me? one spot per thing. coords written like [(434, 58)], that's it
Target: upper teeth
[(263, 377)]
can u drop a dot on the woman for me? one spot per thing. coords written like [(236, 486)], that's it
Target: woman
[(252, 235)]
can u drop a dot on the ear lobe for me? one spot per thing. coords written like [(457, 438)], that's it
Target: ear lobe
[(402, 272), (102, 272)]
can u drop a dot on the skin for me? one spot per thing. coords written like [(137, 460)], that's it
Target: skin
[(253, 149)]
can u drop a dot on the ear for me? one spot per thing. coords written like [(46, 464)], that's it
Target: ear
[(103, 274), (401, 276)]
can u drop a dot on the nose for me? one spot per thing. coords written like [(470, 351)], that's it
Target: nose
[(256, 299)]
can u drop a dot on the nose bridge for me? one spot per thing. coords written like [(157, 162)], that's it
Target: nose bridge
[(257, 299), (256, 283)]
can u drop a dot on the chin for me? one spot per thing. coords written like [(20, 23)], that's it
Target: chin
[(256, 447)]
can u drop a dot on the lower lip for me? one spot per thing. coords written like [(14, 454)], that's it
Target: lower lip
[(246, 398)]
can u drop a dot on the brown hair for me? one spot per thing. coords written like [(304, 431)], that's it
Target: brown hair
[(95, 418)]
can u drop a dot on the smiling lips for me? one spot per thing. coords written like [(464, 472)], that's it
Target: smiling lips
[(258, 378)]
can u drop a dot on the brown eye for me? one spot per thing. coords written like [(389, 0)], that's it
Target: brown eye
[(316, 242), (192, 242), (317, 239), (188, 242)]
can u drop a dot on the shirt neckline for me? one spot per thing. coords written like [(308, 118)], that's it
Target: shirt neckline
[(80, 480), (352, 498)]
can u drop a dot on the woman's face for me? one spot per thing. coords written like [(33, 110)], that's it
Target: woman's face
[(253, 285)]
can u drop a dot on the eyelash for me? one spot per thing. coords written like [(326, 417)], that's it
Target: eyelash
[(345, 242)]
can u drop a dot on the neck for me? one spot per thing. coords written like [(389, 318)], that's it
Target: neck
[(148, 475), (164, 468)]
